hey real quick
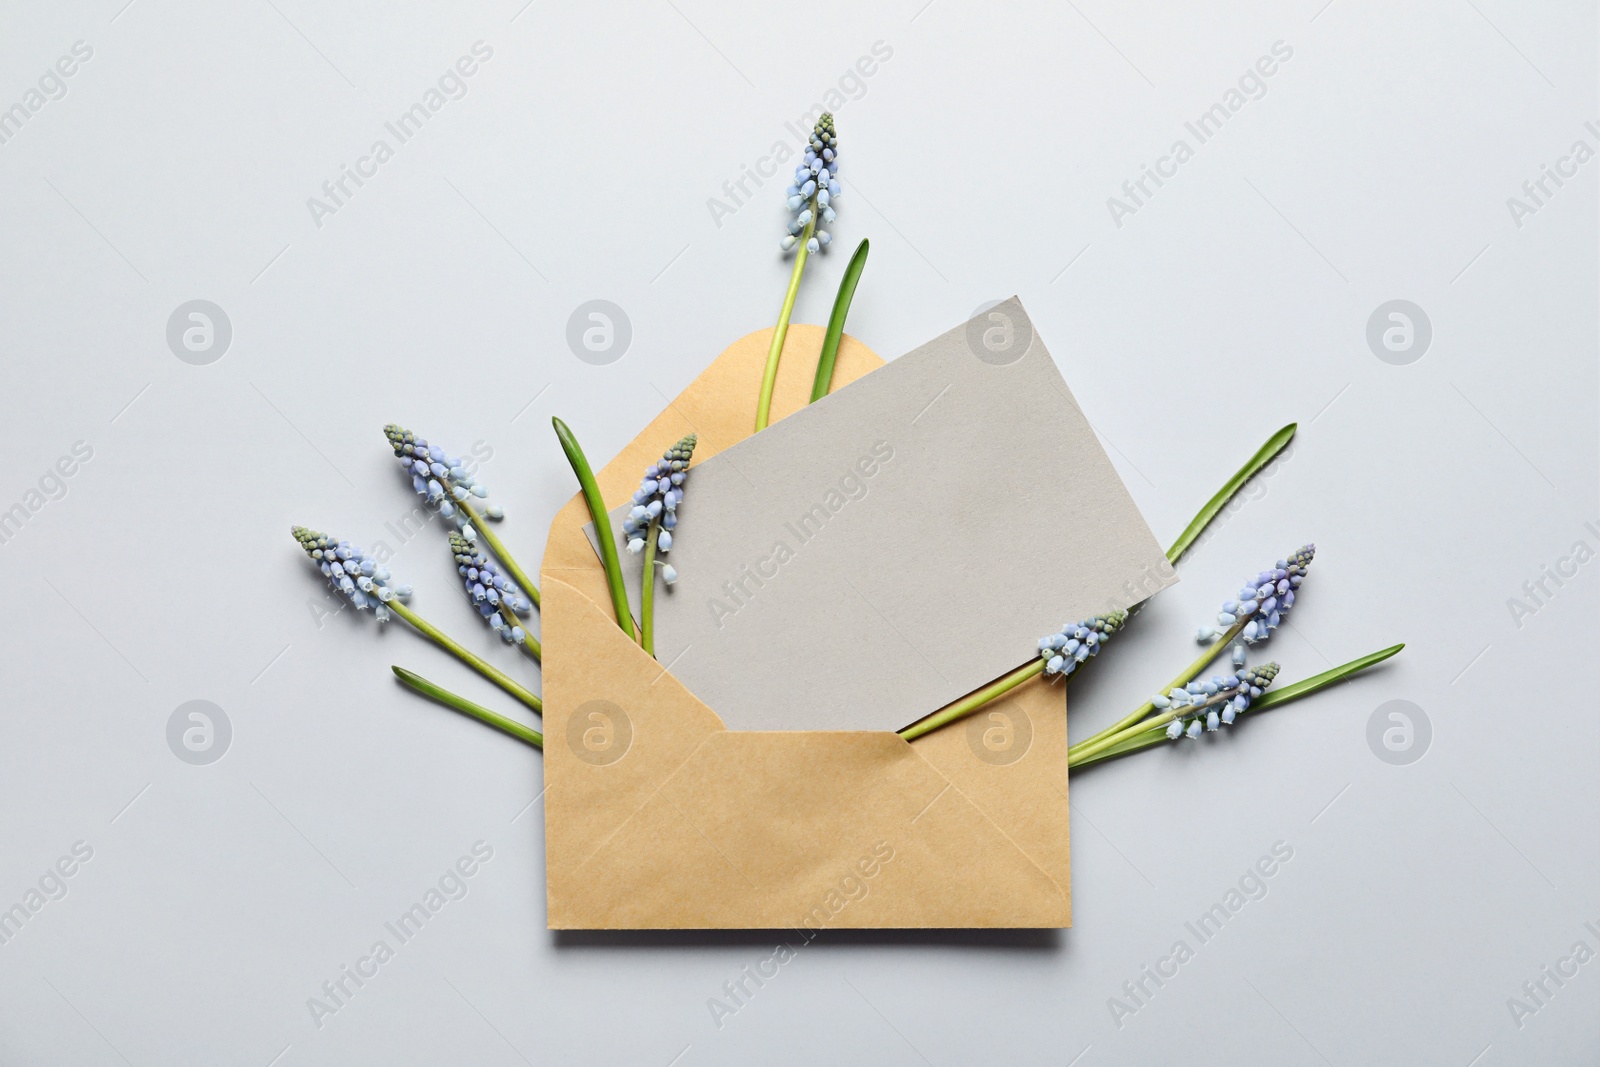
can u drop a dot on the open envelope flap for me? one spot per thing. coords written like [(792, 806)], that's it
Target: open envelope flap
[(1009, 762), (663, 820), (720, 406)]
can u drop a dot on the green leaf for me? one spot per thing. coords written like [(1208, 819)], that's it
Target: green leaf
[(1133, 744), (462, 704), (1263, 456), (1273, 697), (1265, 702), (602, 525), (841, 308)]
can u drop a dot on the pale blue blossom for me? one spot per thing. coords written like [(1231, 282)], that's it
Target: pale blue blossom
[(496, 597), (659, 494), (353, 574), (1213, 704), (1263, 602), (1075, 643), (814, 189), (440, 478)]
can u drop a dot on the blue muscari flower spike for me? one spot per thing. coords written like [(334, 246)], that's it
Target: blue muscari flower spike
[(815, 187), (658, 497), (439, 478), (1216, 703), (496, 597), (353, 574), (1076, 642), (1263, 602)]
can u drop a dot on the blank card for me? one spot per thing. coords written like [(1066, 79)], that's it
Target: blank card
[(899, 543)]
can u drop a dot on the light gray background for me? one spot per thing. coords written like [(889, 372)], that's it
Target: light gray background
[(978, 159)]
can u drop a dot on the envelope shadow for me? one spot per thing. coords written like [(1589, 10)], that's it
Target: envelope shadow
[(1021, 940)]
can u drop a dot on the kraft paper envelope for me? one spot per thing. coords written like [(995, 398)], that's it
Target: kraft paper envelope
[(659, 817), (900, 543)]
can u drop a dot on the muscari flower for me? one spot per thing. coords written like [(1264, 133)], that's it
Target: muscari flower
[(657, 499), (1215, 703), (1263, 603), (353, 574), (1076, 642), (439, 478), (496, 597), (815, 187)]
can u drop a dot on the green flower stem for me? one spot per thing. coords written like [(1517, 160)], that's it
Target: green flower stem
[(769, 377), (647, 594), (602, 525), (841, 308), (1266, 702), (462, 704), (972, 702), (483, 667), (1189, 674), (1108, 739), (490, 538), (1149, 739), (1263, 456)]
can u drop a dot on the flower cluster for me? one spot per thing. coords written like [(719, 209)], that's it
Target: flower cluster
[(1215, 703), (657, 499), (1076, 642), (816, 185), (497, 598), (432, 470), (359, 578), (1263, 602)]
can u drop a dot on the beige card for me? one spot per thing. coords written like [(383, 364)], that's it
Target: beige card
[(901, 542)]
